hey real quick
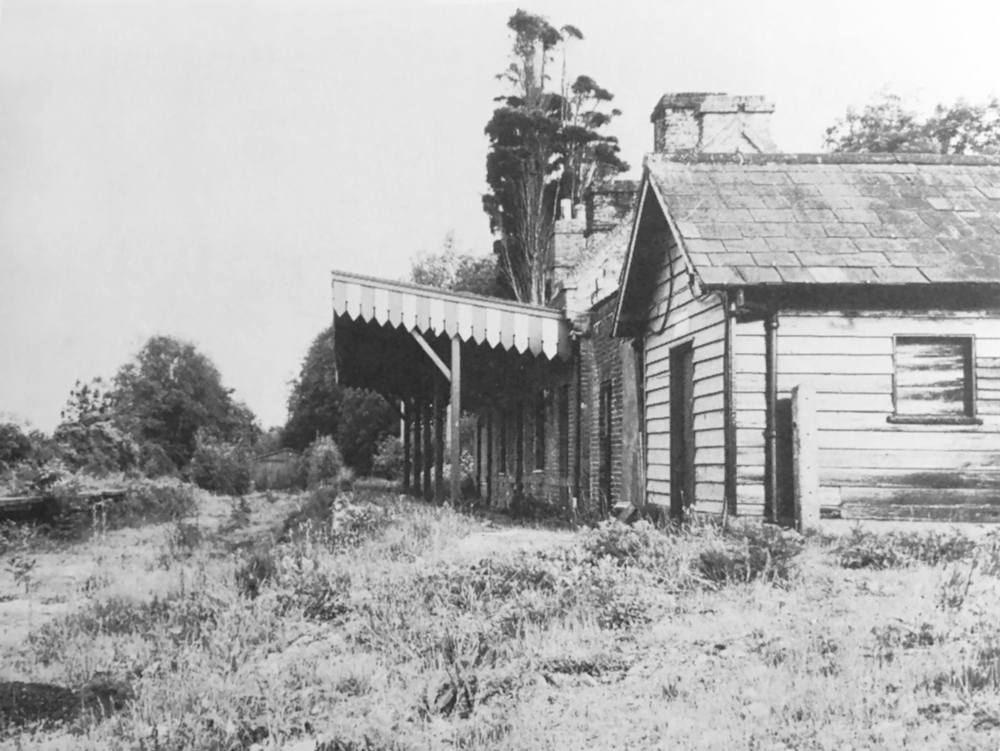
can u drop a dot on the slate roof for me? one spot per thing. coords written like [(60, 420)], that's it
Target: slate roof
[(790, 219)]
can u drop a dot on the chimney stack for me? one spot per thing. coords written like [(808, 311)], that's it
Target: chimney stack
[(713, 123)]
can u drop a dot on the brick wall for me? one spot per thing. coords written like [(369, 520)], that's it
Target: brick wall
[(602, 363)]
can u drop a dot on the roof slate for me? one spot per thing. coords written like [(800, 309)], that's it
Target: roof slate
[(790, 219)]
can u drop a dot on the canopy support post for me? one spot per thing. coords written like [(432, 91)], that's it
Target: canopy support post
[(456, 420), (428, 490), (438, 442), (407, 420), (418, 454)]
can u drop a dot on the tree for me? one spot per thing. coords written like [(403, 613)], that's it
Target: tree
[(91, 436), (458, 272), (545, 146), (15, 446), (885, 125), (318, 406), (170, 392)]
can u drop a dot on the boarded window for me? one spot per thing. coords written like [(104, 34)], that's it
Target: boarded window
[(934, 377), (540, 430)]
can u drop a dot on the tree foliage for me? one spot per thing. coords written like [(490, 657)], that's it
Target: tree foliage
[(170, 391), (318, 406), (458, 272), (546, 145), (886, 125), (15, 446), (91, 435)]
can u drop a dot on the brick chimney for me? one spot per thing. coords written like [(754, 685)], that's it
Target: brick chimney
[(713, 123)]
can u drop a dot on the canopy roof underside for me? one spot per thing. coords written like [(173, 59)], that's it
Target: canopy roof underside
[(504, 346)]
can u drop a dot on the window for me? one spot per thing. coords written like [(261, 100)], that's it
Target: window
[(934, 380), (540, 430)]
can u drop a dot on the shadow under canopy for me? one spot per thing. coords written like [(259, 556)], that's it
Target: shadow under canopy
[(421, 347)]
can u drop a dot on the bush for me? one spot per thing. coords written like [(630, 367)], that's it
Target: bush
[(749, 553), (640, 543), (323, 463), (221, 467), (96, 447), (388, 459)]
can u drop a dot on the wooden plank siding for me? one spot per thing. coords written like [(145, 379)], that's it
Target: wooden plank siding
[(748, 395), (870, 467), (702, 322)]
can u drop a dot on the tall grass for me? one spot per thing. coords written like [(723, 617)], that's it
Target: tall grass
[(363, 628)]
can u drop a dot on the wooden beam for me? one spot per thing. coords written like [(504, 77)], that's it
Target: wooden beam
[(428, 490), (432, 354), (456, 419), (418, 454), (771, 418)]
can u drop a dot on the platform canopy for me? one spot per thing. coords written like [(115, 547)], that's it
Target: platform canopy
[(381, 328)]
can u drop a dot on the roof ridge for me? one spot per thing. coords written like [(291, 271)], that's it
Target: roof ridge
[(695, 157)]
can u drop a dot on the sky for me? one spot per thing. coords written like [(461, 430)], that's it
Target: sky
[(196, 169)]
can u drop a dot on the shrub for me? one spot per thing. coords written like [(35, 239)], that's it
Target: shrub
[(388, 459), (863, 549), (151, 502), (639, 543), (221, 467), (15, 446), (256, 570), (749, 553), (96, 446), (323, 463)]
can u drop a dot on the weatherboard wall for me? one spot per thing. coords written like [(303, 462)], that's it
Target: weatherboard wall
[(871, 467), (674, 317)]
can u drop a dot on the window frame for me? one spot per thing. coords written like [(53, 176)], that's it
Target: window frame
[(970, 416)]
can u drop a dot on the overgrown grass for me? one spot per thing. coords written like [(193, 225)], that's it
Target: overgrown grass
[(381, 623)]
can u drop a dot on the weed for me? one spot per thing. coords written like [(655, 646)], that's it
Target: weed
[(861, 549), (183, 539), (979, 667), (251, 576), (183, 618), (955, 588), (902, 637)]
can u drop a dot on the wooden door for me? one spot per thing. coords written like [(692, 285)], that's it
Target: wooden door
[(681, 429)]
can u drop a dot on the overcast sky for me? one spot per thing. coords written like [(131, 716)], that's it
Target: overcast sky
[(197, 168)]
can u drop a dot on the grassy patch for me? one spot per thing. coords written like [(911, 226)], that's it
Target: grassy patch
[(381, 623)]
